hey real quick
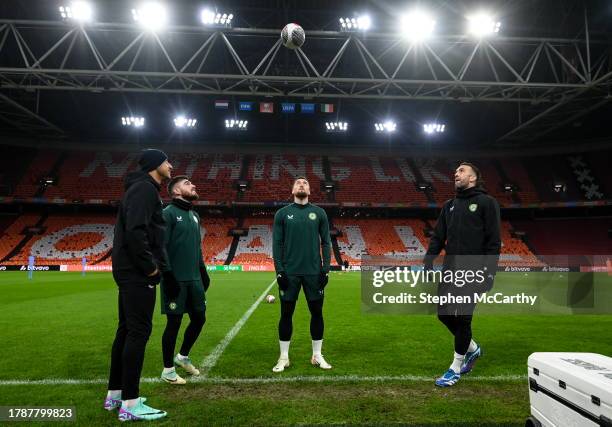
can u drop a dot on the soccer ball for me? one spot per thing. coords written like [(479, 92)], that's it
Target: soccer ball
[(293, 36), (270, 299)]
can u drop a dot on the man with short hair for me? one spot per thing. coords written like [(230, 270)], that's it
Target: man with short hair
[(139, 260), (300, 235), (469, 230), (183, 241)]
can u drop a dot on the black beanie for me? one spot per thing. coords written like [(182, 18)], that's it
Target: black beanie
[(151, 158)]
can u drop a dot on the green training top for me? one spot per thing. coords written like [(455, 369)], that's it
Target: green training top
[(300, 234), (183, 242)]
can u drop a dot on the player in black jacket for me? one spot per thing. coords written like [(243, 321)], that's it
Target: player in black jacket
[(139, 260), (469, 230)]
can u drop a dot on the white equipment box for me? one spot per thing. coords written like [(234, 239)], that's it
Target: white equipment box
[(570, 389)]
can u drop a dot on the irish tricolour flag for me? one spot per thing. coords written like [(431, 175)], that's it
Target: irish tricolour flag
[(327, 108)]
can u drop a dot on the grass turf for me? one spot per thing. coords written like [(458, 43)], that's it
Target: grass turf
[(61, 325)]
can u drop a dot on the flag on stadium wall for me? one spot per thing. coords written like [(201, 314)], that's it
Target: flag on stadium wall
[(307, 108), (245, 106), (287, 107), (221, 105), (266, 107), (327, 108)]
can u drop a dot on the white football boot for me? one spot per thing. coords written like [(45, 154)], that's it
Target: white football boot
[(281, 365), (187, 365), (318, 360), (172, 378)]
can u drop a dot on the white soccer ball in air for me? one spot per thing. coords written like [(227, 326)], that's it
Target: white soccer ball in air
[(293, 36), (270, 299)]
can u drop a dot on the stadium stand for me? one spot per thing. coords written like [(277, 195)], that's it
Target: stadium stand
[(91, 175), (514, 251), (12, 235), (6, 221), (98, 176), (12, 172), (213, 174), (41, 165), (545, 172), (256, 247), (586, 180), (439, 173), (379, 237), (588, 236), (600, 162), (378, 180), (494, 185), (406, 237), (67, 239), (216, 240), (271, 177), (517, 174)]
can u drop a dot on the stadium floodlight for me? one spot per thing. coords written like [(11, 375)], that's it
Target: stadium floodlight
[(364, 22), (432, 128), (78, 10), (417, 25), (388, 126), (235, 124), (133, 121), (336, 126), (151, 15), (211, 18), (184, 122), (482, 24), (361, 23)]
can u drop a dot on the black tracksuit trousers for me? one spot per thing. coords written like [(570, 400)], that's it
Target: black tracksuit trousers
[(136, 306)]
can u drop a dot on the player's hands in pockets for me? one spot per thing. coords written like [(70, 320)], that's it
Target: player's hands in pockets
[(282, 280), (323, 279)]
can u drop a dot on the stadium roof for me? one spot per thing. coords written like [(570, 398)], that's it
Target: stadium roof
[(543, 79)]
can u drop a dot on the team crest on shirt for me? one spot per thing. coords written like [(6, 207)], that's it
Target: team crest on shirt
[(179, 219), (312, 216), (473, 207), (172, 306)]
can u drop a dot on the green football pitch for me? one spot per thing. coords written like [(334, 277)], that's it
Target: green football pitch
[(57, 330)]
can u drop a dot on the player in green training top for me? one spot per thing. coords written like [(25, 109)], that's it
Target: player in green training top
[(300, 236), (183, 246)]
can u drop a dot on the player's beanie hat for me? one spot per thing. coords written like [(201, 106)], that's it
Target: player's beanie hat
[(151, 158)]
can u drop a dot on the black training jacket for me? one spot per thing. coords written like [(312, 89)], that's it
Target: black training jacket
[(138, 244), (469, 224)]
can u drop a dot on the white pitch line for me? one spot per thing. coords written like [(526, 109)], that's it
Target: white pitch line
[(211, 360), (273, 380)]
